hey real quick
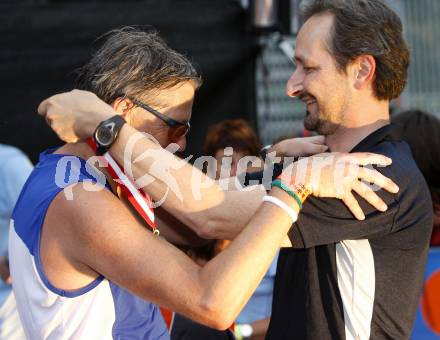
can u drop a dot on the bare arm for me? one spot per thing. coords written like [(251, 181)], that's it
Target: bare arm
[(194, 198), (107, 239), (211, 212), (171, 228)]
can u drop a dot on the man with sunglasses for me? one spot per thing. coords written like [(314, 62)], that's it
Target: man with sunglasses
[(84, 267), (177, 130)]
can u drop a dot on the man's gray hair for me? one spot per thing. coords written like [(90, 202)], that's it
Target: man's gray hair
[(133, 62)]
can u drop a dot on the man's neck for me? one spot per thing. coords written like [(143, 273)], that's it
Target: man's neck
[(80, 149), (345, 139), (366, 117)]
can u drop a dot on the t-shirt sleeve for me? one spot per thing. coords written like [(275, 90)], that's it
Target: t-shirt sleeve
[(328, 220)]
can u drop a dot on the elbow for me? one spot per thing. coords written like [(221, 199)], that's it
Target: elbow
[(206, 228), (217, 310), (218, 316), (222, 325)]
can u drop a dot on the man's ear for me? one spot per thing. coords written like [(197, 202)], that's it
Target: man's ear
[(122, 106), (364, 70)]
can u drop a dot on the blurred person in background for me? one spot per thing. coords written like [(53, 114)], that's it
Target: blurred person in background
[(236, 134), (15, 168)]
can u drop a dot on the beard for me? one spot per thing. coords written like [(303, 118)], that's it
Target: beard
[(316, 119), (313, 122)]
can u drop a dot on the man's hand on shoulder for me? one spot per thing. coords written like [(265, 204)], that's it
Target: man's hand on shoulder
[(299, 147), (338, 175)]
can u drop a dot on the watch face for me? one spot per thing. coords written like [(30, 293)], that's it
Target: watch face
[(104, 136)]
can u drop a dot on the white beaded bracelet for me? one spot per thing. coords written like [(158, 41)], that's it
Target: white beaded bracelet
[(292, 213)]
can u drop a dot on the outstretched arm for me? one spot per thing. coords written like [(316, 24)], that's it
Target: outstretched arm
[(207, 209), (106, 239)]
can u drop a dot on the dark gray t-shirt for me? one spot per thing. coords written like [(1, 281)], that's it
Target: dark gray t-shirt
[(350, 279)]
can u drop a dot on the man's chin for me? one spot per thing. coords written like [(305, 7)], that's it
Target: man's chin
[(322, 127), (311, 121)]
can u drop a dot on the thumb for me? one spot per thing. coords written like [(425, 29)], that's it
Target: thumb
[(42, 108), (313, 149), (316, 139)]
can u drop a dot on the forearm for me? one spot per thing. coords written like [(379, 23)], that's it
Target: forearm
[(123, 251), (230, 279), (192, 197), (213, 294)]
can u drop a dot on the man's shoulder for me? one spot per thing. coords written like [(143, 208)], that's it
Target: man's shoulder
[(56, 172), (403, 170), (55, 176), (413, 198), (78, 207)]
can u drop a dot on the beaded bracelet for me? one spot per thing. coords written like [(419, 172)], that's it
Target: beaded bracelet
[(282, 186)]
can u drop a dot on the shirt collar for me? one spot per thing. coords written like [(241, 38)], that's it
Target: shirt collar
[(390, 132)]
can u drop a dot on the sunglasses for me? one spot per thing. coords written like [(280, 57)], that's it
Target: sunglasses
[(177, 130)]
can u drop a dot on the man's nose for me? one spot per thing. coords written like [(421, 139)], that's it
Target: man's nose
[(294, 85)]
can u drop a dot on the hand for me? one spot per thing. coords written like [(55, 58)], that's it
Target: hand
[(74, 115), (297, 147), (337, 174), (4, 270)]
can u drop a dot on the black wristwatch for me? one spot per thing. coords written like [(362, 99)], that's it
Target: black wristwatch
[(107, 132)]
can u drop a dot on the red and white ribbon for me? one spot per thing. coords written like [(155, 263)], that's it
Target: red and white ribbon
[(140, 200)]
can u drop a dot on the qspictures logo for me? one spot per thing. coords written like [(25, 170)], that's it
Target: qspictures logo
[(152, 165)]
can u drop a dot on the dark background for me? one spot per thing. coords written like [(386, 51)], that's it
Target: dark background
[(43, 42)]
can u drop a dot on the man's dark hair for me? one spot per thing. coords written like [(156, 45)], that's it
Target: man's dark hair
[(132, 62), (367, 27)]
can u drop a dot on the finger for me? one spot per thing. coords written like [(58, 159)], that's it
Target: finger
[(323, 148), (313, 149), (315, 139), (353, 205), (365, 158), (369, 195), (375, 177)]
